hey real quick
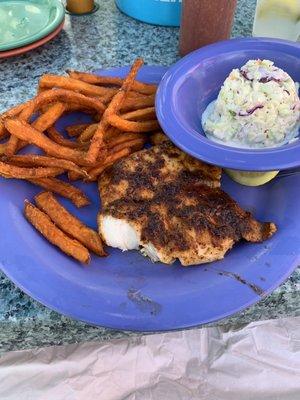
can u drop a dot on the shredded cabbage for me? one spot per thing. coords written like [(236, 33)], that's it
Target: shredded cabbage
[(258, 106)]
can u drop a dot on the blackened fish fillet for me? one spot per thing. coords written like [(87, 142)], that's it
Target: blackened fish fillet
[(170, 206)]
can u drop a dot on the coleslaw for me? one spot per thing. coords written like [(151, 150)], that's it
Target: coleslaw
[(258, 106)]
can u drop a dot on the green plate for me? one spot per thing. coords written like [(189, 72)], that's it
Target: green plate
[(25, 21)]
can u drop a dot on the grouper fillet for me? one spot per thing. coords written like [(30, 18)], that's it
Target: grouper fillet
[(170, 206)]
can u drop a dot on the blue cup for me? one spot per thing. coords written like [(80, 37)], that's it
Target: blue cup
[(157, 12)]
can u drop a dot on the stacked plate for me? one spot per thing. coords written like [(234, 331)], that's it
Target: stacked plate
[(28, 24)]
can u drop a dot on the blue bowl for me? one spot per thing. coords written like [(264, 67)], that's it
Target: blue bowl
[(155, 12), (194, 81)]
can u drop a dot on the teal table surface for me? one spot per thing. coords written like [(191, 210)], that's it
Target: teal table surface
[(104, 39)]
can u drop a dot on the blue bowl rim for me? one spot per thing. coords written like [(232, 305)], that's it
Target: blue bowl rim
[(197, 145)]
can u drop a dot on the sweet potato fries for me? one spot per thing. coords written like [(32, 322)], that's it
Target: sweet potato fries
[(54, 235), (123, 118)]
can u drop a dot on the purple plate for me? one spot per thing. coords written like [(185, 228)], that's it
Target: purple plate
[(194, 81), (127, 291)]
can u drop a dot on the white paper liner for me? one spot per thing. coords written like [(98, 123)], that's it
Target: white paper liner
[(258, 362)]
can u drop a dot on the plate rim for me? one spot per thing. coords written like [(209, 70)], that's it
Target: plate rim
[(116, 326), (22, 50)]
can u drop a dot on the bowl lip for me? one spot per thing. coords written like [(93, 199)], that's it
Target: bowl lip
[(190, 141)]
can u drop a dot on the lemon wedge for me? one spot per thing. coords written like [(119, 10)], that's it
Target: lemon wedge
[(287, 8), (251, 178)]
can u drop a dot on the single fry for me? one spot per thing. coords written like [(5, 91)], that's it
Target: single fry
[(49, 117), (9, 113), (59, 139), (71, 107), (109, 161), (26, 132), (65, 96), (54, 81), (12, 171), (32, 160), (143, 114), (64, 189), (14, 111), (109, 80), (68, 223), (54, 235), (131, 104), (88, 133), (113, 107), (76, 130), (133, 144), (124, 138), (97, 141), (112, 133), (132, 126), (13, 143), (74, 176), (136, 95)]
